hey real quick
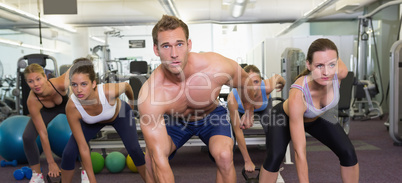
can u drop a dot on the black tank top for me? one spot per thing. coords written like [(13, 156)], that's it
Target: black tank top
[(63, 102)]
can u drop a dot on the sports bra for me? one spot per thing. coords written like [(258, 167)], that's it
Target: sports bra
[(63, 102), (311, 111), (107, 113), (264, 99)]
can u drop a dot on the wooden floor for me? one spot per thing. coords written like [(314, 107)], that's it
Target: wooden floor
[(380, 161)]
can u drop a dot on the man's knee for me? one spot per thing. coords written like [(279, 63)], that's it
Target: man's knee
[(157, 158), (223, 157)]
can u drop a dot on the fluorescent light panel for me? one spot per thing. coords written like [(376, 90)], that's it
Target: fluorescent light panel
[(306, 16), (97, 39), (170, 7), (21, 44)]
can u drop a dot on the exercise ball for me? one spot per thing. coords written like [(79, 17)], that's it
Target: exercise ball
[(39, 143), (11, 144), (130, 164), (59, 133), (98, 162), (115, 162)]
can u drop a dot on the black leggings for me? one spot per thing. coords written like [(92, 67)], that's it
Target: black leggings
[(30, 134), (125, 125), (329, 133)]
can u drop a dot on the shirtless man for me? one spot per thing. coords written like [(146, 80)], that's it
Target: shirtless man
[(179, 100)]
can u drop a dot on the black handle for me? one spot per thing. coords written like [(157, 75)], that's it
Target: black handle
[(246, 176)]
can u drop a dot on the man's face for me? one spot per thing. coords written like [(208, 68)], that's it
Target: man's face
[(173, 49)]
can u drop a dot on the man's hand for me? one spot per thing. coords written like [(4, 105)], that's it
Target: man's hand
[(247, 120)]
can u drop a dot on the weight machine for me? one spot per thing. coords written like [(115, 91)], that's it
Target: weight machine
[(22, 88), (368, 86)]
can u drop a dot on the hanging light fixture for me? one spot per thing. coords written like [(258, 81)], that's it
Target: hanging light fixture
[(238, 8)]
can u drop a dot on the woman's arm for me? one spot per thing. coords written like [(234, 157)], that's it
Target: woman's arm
[(235, 121), (342, 70), (62, 83), (114, 90), (129, 93), (275, 82), (73, 117), (34, 107), (296, 108)]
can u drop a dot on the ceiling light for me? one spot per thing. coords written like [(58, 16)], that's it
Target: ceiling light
[(29, 16), (21, 44), (10, 42), (97, 39), (170, 7), (238, 8), (306, 16)]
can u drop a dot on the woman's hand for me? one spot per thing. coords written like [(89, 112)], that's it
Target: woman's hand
[(249, 166), (54, 170)]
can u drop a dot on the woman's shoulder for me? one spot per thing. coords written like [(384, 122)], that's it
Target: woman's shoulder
[(299, 81), (60, 83)]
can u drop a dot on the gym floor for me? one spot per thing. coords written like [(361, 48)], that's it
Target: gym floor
[(379, 161)]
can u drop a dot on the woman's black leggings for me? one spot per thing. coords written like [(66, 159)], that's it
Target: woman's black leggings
[(323, 129), (30, 134)]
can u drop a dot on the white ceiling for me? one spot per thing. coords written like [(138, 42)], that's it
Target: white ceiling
[(93, 13)]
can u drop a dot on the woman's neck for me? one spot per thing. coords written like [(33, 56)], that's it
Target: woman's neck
[(47, 90)]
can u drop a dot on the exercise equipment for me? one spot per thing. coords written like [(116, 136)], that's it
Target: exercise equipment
[(27, 172), (251, 179), (130, 164), (98, 162), (39, 143), (11, 144), (365, 107), (5, 163), (59, 133), (53, 179), (345, 98), (139, 74), (22, 88), (293, 62), (7, 103), (18, 174), (395, 95), (115, 162), (24, 172)]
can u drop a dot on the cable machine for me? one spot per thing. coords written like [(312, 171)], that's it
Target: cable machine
[(368, 69)]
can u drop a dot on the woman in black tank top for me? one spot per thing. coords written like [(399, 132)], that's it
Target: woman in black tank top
[(46, 100)]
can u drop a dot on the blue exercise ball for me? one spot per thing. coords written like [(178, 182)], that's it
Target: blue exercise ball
[(59, 133), (39, 143), (11, 144)]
